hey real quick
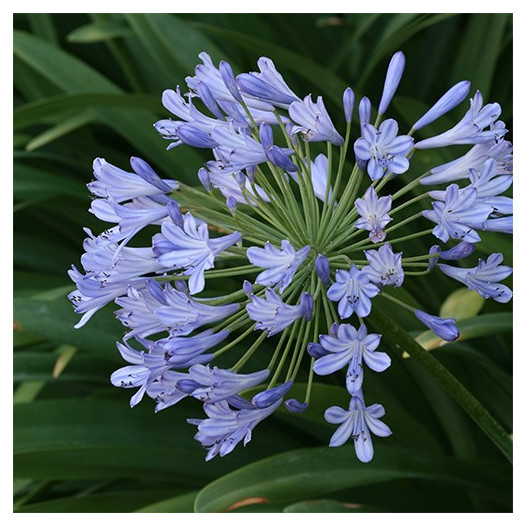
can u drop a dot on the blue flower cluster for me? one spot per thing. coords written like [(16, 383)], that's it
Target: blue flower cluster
[(309, 242)]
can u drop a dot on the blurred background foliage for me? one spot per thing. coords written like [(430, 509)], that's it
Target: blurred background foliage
[(89, 85)]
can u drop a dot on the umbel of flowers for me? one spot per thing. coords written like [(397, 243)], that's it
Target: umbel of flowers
[(310, 241)]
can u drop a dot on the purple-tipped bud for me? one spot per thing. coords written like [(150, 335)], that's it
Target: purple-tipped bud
[(364, 111), (175, 214), (348, 104), (323, 269), (204, 178), (276, 155), (294, 406), (230, 80), (271, 396), (248, 289), (231, 203), (392, 79), (240, 180), (435, 249), (443, 327), (447, 102), (187, 385), (307, 305), (460, 251), (316, 350)]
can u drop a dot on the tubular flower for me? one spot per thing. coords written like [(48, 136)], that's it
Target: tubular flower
[(296, 240)]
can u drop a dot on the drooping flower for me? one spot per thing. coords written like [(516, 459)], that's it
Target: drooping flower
[(382, 150), (443, 327), (484, 278), (374, 215), (353, 291), (280, 264), (349, 348), (358, 422)]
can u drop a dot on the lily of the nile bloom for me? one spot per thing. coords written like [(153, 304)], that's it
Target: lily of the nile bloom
[(443, 327), (225, 427), (273, 315), (289, 230), (349, 348), (353, 291), (212, 384), (479, 125), (120, 185), (385, 266), (281, 264), (459, 215), (267, 85), (484, 278), (382, 150), (358, 422), (501, 151), (313, 121), (157, 309), (374, 215), (189, 247)]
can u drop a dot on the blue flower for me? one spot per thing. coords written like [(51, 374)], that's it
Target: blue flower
[(478, 126), (349, 348), (348, 104), (374, 215), (313, 121), (318, 173), (120, 186), (385, 267), (358, 423), (460, 251), (267, 85), (353, 291), (501, 151), (281, 264), (273, 315), (459, 215), (157, 309), (443, 327), (189, 247), (484, 278), (271, 396), (226, 427), (213, 384), (323, 269), (382, 150), (451, 99)]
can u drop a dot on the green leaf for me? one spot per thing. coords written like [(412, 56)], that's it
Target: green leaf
[(314, 472), (330, 506), (179, 504), (98, 32), (65, 126), (104, 438), (474, 327), (462, 303)]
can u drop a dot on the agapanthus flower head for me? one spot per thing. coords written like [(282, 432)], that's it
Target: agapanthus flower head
[(284, 228)]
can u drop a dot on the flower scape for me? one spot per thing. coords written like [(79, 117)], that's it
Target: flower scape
[(309, 247)]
